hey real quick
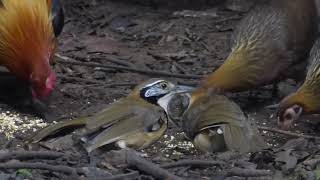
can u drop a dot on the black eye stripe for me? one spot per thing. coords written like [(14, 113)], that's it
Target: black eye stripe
[(157, 85)]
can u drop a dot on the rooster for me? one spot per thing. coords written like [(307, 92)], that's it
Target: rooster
[(28, 30)]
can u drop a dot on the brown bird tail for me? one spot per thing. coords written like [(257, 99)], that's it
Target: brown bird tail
[(55, 128), (243, 139)]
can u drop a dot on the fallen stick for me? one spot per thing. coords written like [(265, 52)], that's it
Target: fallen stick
[(288, 133), (248, 172), (37, 165), (25, 155), (192, 163), (312, 163), (80, 79), (133, 160), (68, 60), (130, 175)]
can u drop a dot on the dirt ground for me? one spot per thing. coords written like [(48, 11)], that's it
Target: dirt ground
[(149, 36)]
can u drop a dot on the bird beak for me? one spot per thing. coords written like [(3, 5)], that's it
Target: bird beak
[(183, 89)]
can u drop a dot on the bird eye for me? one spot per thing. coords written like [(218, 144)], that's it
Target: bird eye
[(164, 86)]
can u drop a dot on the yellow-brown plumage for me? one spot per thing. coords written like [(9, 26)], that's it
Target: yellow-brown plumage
[(268, 41), (307, 97), (27, 42), (214, 123), (18, 19)]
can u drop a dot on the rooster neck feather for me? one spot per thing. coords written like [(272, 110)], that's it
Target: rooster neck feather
[(26, 35)]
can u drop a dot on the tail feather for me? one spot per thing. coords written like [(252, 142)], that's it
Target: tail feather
[(243, 139), (55, 128)]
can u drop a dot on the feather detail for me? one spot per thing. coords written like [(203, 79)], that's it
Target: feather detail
[(26, 35)]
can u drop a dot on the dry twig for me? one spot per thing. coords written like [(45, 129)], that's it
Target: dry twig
[(77, 79), (130, 175), (133, 160), (24, 155), (248, 172), (312, 163), (68, 60), (288, 133), (192, 163), (37, 165)]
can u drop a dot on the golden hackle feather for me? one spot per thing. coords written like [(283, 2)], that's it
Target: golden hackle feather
[(308, 95), (26, 32), (270, 39)]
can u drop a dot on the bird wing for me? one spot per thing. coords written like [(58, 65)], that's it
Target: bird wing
[(141, 120), (218, 110), (209, 111), (118, 111)]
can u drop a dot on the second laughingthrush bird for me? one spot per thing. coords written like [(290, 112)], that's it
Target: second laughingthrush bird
[(214, 123), (268, 42), (306, 99), (135, 121)]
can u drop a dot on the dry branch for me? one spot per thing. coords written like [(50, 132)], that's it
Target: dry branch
[(130, 175), (288, 133), (68, 60), (37, 165), (248, 172), (133, 160), (192, 163), (25, 155)]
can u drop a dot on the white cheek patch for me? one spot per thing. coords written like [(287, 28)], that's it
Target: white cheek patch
[(164, 101)]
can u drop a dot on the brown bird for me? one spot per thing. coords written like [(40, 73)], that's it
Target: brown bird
[(214, 123), (135, 121), (273, 37), (306, 99)]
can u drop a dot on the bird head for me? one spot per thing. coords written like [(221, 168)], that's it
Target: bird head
[(290, 109), (28, 43), (287, 115), (42, 84), (304, 101), (159, 91)]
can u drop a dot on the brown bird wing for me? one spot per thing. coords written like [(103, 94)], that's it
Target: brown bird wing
[(218, 110), (118, 111), (140, 121)]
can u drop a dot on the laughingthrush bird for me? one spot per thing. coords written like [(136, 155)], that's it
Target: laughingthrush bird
[(214, 123), (135, 121)]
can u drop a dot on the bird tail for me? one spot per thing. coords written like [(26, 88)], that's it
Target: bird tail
[(243, 139), (55, 128)]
